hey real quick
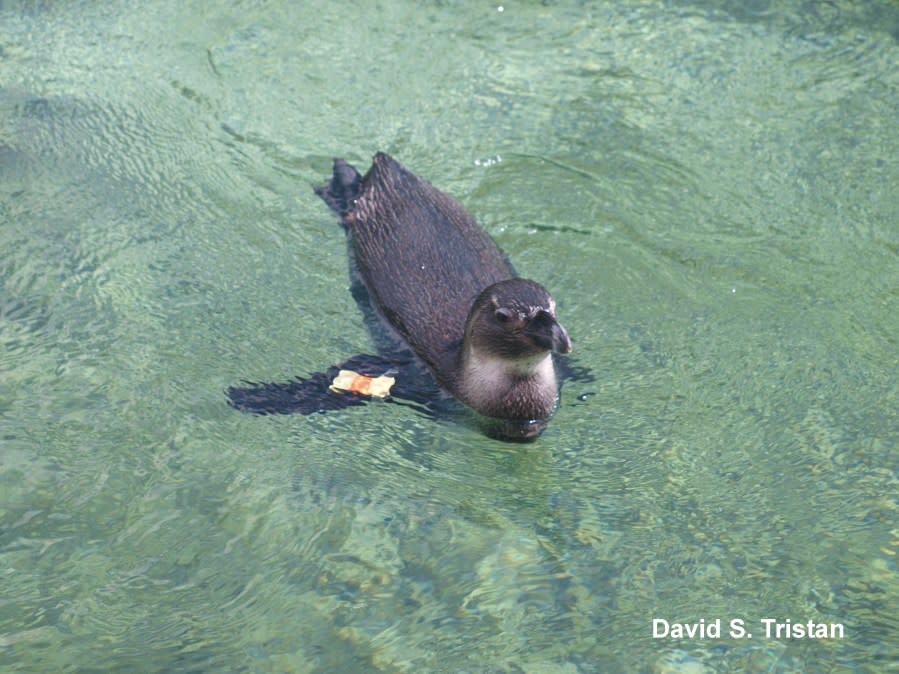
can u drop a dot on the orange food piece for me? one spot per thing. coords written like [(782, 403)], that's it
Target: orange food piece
[(376, 387)]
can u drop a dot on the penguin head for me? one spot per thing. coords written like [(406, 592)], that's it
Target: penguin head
[(515, 321)]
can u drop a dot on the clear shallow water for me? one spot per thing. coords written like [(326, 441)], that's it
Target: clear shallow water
[(708, 189)]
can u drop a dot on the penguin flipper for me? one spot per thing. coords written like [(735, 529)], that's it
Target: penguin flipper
[(300, 396), (318, 394), (568, 371)]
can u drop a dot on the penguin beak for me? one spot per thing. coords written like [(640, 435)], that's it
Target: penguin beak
[(547, 333), (561, 342)]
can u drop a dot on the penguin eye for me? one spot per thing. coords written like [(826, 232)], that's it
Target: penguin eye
[(503, 315)]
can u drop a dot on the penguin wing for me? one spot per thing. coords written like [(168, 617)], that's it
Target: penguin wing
[(339, 387), (568, 371)]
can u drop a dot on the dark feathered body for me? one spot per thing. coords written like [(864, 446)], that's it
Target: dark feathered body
[(445, 287), (422, 257)]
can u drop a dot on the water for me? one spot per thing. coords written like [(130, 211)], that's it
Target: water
[(707, 188)]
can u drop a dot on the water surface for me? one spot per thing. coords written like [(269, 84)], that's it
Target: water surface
[(707, 188)]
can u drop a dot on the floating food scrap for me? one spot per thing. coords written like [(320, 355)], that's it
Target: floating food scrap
[(377, 387)]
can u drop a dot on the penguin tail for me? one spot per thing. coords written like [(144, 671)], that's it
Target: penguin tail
[(344, 188)]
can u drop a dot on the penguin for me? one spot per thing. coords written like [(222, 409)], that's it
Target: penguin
[(453, 308)]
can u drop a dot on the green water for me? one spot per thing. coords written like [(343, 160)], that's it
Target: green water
[(709, 189)]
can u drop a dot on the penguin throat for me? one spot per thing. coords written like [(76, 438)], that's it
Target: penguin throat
[(513, 389)]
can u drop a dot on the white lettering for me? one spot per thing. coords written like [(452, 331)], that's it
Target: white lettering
[(737, 631), (807, 630), (661, 628)]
